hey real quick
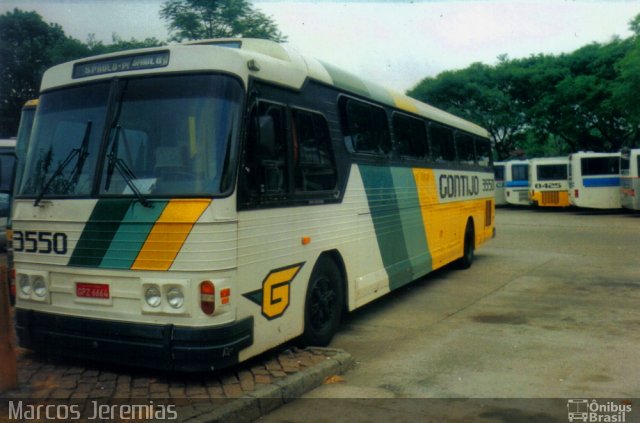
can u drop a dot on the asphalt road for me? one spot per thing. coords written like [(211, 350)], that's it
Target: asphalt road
[(548, 312)]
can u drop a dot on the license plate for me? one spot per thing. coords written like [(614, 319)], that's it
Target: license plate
[(92, 290)]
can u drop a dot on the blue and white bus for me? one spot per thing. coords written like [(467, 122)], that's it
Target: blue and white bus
[(498, 173), (630, 178), (594, 180), (516, 182)]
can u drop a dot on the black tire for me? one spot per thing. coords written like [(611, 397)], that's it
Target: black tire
[(466, 260), (323, 304)]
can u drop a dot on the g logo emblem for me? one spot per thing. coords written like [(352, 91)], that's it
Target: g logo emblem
[(275, 293)]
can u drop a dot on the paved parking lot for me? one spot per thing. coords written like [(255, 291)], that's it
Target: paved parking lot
[(549, 309)]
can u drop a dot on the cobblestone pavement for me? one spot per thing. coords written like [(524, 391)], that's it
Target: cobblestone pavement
[(242, 393)]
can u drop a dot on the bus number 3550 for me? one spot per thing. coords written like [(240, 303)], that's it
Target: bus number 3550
[(40, 242)]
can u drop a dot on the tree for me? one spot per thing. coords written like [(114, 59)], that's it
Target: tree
[(118, 44), (28, 46), (202, 19), (550, 105), (625, 92), (479, 94)]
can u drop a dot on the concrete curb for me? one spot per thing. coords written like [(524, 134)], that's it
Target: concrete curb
[(269, 397)]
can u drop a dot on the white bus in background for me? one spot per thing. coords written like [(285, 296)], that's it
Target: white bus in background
[(548, 182), (630, 178), (516, 182), (594, 180), (498, 172)]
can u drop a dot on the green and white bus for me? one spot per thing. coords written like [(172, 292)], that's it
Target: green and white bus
[(191, 206)]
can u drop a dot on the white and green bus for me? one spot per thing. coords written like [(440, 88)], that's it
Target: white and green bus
[(191, 206), (630, 178)]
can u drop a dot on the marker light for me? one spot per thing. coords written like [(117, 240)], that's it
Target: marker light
[(24, 284), (39, 286), (225, 294), (152, 296), (576, 193), (207, 297), (175, 297)]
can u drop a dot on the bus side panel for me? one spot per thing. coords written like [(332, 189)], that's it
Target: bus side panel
[(420, 215), (630, 192), (395, 212), (275, 265)]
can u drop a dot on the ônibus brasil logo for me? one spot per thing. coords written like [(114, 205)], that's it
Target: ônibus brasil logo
[(583, 410)]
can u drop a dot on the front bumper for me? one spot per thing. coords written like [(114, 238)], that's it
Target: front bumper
[(166, 347)]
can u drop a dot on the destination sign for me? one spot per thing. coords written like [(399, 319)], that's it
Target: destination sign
[(121, 64)]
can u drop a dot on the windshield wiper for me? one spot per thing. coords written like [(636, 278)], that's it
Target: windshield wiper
[(127, 174), (82, 152)]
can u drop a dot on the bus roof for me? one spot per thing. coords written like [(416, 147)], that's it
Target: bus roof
[(562, 159), (593, 154), (245, 57), (8, 143)]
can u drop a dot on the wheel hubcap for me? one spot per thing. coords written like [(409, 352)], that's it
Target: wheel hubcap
[(322, 304)]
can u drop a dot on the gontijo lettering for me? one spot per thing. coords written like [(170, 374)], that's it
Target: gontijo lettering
[(452, 186)]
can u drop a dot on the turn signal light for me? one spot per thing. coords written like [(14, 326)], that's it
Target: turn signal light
[(207, 297), (225, 295)]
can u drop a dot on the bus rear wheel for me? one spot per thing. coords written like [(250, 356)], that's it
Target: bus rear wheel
[(323, 304), (466, 260)]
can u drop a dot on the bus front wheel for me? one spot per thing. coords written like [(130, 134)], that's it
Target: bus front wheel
[(323, 304)]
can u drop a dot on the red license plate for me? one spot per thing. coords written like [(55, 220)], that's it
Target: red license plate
[(92, 290)]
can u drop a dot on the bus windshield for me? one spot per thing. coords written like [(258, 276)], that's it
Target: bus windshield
[(157, 136), (551, 172)]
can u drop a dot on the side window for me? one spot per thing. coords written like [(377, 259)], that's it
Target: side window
[(264, 170), (483, 152), (520, 172), (365, 127), (315, 168), (442, 149), (498, 172), (7, 161), (411, 137), (464, 147)]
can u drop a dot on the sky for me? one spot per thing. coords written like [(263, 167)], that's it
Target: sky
[(393, 43)]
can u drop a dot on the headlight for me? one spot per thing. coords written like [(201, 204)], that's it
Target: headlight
[(39, 286), (24, 284), (175, 297), (152, 296)]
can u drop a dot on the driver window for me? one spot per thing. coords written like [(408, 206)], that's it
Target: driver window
[(265, 161)]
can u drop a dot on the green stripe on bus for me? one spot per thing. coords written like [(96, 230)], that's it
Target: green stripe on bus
[(132, 233), (387, 222), (345, 80), (99, 232), (412, 222)]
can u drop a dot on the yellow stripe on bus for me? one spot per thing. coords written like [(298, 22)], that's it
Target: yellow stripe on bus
[(404, 103), (169, 234)]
